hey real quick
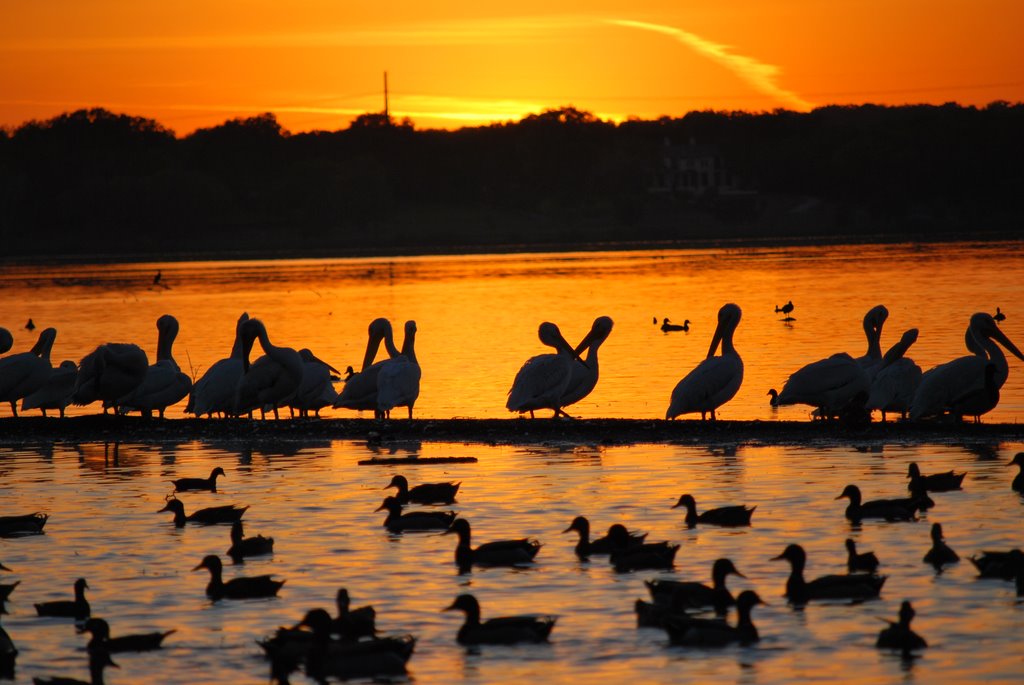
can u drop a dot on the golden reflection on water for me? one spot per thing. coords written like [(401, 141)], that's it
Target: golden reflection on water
[(478, 315)]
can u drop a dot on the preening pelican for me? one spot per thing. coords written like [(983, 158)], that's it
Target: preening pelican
[(316, 390), (543, 380), (715, 380), (585, 373), (6, 340), (272, 378), (398, 383), (215, 391), (56, 392), (961, 386), (164, 384), (24, 373), (896, 380), (834, 383), (360, 391), (108, 373)]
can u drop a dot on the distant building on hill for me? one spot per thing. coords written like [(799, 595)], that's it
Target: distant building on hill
[(694, 169)]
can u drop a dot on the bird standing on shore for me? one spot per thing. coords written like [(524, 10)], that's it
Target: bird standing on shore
[(715, 380), (542, 381)]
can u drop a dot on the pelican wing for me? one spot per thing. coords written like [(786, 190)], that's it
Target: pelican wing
[(540, 384), (316, 390), (894, 386), (711, 384), (163, 385), (398, 384), (943, 384), (22, 374), (215, 391), (829, 383), (56, 392)]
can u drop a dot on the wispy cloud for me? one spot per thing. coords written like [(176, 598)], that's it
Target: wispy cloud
[(759, 75)]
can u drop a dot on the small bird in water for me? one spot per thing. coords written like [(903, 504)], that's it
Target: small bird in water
[(30, 326), (503, 631), (667, 327), (1018, 480), (786, 309), (899, 635), (864, 561), (774, 401), (156, 279), (999, 316), (940, 553)]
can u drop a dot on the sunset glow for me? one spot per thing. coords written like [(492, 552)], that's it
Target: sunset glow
[(317, 64)]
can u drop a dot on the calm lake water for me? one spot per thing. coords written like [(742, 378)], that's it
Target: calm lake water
[(477, 319)]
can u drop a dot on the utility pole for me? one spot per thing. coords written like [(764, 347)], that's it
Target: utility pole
[(387, 115)]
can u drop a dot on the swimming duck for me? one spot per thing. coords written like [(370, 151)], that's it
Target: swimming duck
[(888, 509), (242, 546), (498, 631), (855, 586), (617, 536), (684, 630), (678, 596), (649, 555), (1018, 480), (667, 327), (241, 587), (899, 635), (186, 484), (998, 564), (352, 659), (866, 562), (940, 553), (141, 642), (424, 493), (736, 515), (352, 624), (397, 522), (936, 482), (26, 524), (98, 660), (78, 608), (7, 588), (228, 513), (497, 553)]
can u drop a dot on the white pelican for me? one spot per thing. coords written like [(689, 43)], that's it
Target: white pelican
[(164, 384), (543, 380), (715, 380), (56, 392), (6, 340), (960, 386), (398, 383), (832, 384), (272, 378), (215, 391), (108, 373), (360, 391), (585, 373), (23, 373), (316, 390), (896, 380)]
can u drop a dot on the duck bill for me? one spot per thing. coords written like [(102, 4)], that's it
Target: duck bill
[(199, 566), (450, 607), (166, 508)]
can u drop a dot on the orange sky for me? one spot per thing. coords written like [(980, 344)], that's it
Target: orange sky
[(317, 63)]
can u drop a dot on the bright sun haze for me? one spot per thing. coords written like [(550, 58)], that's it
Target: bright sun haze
[(319, 63)]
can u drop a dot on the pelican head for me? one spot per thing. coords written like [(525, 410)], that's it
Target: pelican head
[(551, 336), (728, 319), (599, 332), (983, 327), (251, 330)]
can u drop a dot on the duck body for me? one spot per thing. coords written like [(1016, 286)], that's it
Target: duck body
[(352, 624), (78, 608), (397, 522), (210, 484), (648, 555), (940, 553), (499, 631), (736, 515), (26, 524), (498, 553), (888, 509), (228, 513), (854, 586), (683, 630), (140, 642), (899, 634), (936, 482), (242, 546), (715, 380), (866, 562), (242, 587), (108, 373), (424, 493), (681, 595)]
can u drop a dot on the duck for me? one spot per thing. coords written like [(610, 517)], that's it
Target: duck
[(585, 372), (497, 553), (24, 524), (242, 587), (374, 658), (498, 631), (940, 553), (684, 630), (397, 522), (866, 562), (424, 493), (352, 624), (735, 515), (899, 635), (774, 401), (888, 509), (855, 586), (186, 484), (936, 482), (141, 642), (242, 546), (998, 564), (56, 392), (108, 373), (678, 596), (78, 608), (163, 384), (648, 555), (1018, 480), (99, 659), (667, 327), (618, 536), (228, 513)]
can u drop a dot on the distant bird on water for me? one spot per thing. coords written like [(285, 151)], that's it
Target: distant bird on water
[(999, 316), (504, 630), (715, 380), (156, 279), (667, 327), (786, 309), (899, 635), (30, 326)]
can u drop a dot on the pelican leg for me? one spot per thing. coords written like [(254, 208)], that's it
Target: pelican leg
[(14, 408)]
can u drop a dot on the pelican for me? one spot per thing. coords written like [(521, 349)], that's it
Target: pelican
[(963, 386), (215, 391), (316, 390), (56, 392), (832, 384), (24, 373), (543, 380), (108, 373), (716, 379), (398, 383), (896, 379), (585, 373), (272, 378), (6, 340), (164, 383), (360, 391)]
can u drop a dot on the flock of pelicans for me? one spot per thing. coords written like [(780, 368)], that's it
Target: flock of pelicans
[(120, 377), (348, 645)]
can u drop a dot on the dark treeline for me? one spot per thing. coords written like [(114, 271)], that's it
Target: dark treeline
[(98, 183)]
